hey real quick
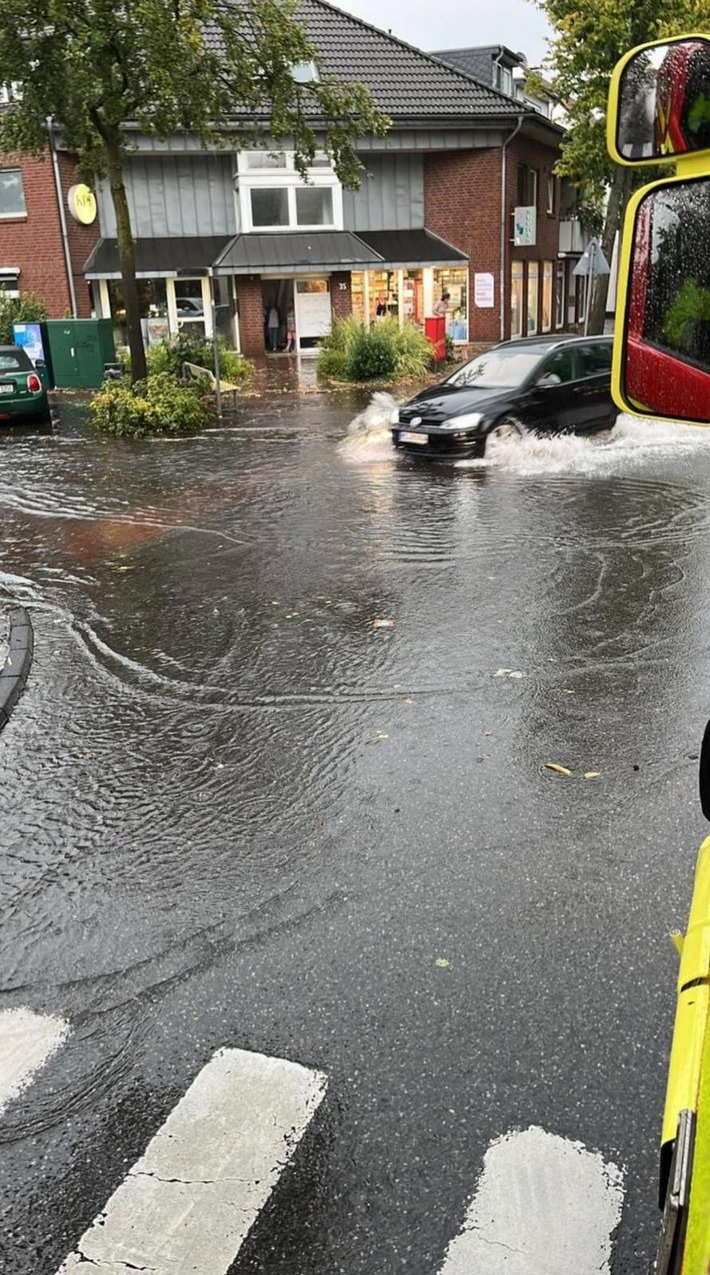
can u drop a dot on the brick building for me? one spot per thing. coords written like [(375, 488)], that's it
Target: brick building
[(435, 214), (34, 254)]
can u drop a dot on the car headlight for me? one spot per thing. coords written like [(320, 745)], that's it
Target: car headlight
[(394, 417), (468, 421)]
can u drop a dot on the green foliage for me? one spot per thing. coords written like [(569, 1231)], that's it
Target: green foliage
[(169, 357), (691, 306), (27, 308), (159, 404), (385, 353)]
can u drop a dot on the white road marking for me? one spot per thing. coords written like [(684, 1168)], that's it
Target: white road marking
[(186, 1206), (544, 1206), (27, 1040)]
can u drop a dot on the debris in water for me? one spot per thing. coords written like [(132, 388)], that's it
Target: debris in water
[(559, 770), (592, 774), (508, 672), (442, 963), (383, 624)]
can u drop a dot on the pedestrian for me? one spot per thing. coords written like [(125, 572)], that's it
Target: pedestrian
[(381, 311), (273, 324), (291, 331), (441, 309)]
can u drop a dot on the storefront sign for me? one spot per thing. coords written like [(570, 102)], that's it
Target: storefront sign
[(484, 291), (82, 204), (524, 227)]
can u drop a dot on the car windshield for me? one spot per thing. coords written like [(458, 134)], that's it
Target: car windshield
[(11, 362), (500, 369)]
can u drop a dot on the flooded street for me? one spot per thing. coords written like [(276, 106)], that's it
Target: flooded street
[(278, 783)]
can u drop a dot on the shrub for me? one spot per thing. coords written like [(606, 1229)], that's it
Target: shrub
[(170, 355), (27, 308), (373, 356), (159, 404), (384, 353)]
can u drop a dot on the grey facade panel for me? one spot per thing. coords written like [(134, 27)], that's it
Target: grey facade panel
[(404, 139), (183, 195), (391, 195)]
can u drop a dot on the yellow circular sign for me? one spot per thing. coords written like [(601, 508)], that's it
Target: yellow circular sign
[(82, 204)]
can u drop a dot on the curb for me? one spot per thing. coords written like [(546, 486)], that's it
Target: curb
[(15, 671)]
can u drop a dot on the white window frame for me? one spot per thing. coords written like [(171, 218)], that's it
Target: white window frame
[(288, 178), (548, 286)]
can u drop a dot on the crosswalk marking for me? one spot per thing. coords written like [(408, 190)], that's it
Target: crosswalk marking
[(27, 1040), (187, 1204), (542, 1204)]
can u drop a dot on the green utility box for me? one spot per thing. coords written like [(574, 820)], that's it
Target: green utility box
[(79, 348)]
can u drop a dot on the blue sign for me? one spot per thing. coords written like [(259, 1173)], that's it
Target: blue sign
[(29, 336)]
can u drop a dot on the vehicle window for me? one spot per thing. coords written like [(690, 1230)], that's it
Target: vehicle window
[(498, 369), (594, 359), (560, 364), (12, 363)]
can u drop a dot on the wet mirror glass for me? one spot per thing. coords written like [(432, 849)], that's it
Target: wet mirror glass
[(664, 101), (666, 364)]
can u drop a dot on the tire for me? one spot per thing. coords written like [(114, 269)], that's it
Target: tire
[(504, 430)]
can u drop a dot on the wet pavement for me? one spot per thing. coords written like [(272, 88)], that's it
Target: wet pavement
[(236, 811)]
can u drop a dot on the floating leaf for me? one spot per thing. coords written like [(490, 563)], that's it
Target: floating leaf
[(559, 770), (592, 774), (383, 624), (381, 735), (442, 963), (508, 672)]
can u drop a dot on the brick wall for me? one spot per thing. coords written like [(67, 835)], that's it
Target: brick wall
[(250, 308), (34, 242), (82, 240), (341, 295), (462, 193), (462, 204)]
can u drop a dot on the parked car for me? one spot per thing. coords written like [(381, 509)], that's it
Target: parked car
[(548, 385), (189, 307), (22, 394)]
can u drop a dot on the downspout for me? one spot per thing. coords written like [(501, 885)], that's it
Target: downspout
[(62, 217), (504, 219)]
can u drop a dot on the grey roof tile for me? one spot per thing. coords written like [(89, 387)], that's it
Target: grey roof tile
[(405, 82)]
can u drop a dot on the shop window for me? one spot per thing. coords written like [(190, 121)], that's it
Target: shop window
[(516, 299), (314, 206), (455, 282), (383, 295), (358, 296), (413, 297), (547, 275), (560, 296), (269, 207), (190, 306), (12, 195), (533, 292)]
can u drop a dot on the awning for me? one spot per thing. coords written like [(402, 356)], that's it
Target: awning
[(297, 252), (410, 249), (158, 258)]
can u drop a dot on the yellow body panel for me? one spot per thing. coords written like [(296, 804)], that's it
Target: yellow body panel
[(696, 1258), (690, 1053), (612, 114)]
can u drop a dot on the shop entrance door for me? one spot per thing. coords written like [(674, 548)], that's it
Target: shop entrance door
[(313, 312)]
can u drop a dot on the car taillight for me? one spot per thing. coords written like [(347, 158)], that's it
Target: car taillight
[(34, 384)]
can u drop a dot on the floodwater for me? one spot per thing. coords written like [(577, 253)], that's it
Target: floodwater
[(284, 747)]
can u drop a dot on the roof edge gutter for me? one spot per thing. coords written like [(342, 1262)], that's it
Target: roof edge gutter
[(504, 218)]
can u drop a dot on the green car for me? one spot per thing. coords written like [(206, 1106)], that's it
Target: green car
[(22, 394)]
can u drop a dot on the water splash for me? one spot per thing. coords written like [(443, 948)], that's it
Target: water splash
[(632, 441), (368, 436)]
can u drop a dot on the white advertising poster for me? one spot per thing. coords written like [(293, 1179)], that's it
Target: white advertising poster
[(483, 291)]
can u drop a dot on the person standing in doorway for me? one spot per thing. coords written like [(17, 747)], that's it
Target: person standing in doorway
[(273, 323), (291, 331)]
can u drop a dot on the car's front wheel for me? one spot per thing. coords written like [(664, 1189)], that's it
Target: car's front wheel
[(504, 432)]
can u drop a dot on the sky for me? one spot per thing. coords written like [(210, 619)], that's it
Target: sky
[(453, 24)]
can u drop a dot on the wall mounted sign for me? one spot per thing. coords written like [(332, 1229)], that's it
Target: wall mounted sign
[(81, 202)]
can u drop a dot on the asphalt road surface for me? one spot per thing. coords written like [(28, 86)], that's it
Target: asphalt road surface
[(301, 941)]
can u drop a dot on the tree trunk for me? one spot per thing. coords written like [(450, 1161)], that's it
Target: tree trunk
[(619, 192), (126, 256)]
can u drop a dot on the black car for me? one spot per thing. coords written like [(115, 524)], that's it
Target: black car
[(547, 385)]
